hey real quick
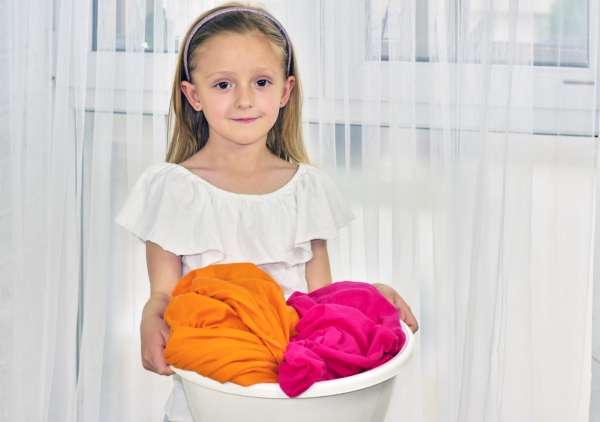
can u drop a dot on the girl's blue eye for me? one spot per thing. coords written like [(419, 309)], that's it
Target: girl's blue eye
[(263, 82)]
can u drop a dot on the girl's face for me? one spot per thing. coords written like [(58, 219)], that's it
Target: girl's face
[(239, 85)]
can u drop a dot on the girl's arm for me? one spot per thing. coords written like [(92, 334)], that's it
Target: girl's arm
[(318, 274), (318, 271), (164, 271)]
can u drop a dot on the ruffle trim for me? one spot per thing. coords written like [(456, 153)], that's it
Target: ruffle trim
[(170, 208)]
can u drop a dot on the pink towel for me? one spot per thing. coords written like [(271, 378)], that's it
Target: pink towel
[(345, 328)]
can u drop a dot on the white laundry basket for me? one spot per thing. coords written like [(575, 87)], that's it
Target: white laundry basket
[(359, 398)]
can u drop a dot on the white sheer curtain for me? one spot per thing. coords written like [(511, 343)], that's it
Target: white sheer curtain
[(472, 202), (461, 131), (40, 211)]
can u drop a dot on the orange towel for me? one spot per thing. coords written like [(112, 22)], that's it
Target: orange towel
[(229, 322)]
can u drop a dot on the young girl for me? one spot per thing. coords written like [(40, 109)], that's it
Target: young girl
[(236, 185)]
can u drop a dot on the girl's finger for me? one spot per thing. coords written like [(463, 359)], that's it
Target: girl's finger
[(161, 366), (165, 333), (166, 371), (411, 321)]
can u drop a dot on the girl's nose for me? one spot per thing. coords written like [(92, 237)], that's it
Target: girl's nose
[(245, 97)]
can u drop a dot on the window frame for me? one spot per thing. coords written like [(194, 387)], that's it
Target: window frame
[(565, 96)]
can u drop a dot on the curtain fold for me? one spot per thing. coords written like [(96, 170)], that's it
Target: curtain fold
[(462, 132), (41, 158)]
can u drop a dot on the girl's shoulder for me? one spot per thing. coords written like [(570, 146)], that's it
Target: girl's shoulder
[(322, 209), (158, 208)]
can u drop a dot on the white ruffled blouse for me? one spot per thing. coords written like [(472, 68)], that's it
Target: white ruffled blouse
[(188, 216)]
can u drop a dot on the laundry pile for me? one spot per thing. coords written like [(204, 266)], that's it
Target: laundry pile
[(345, 328), (231, 323)]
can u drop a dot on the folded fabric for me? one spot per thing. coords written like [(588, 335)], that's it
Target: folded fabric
[(345, 328), (229, 322)]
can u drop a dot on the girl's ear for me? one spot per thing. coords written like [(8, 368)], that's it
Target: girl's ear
[(191, 94), (288, 87)]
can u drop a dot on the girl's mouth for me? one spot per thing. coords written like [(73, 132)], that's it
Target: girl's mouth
[(246, 119)]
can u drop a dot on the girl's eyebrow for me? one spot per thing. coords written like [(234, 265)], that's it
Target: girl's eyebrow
[(227, 72)]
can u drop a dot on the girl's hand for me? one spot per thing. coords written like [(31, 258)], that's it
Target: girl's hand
[(395, 299), (154, 334)]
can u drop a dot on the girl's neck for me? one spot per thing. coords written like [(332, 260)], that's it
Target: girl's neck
[(236, 158)]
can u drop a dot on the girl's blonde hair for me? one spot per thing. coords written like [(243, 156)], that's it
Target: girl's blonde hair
[(188, 129)]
